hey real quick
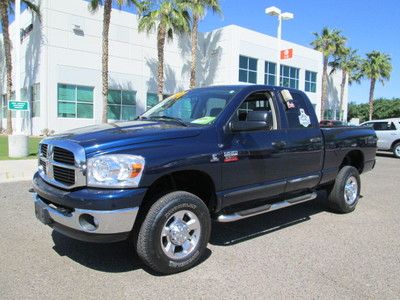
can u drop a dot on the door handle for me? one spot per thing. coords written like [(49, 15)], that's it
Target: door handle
[(315, 140), (279, 144)]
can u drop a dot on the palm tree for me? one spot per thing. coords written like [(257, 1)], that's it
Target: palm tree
[(198, 9), (377, 66), (168, 17), (93, 7), (350, 63), (329, 42), (5, 10)]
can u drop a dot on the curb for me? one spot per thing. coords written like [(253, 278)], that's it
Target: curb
[(17, 170)]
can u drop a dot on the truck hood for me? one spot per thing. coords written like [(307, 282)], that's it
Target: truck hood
[(106, 136)]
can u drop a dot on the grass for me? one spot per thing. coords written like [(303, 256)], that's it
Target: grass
[(33, 147)]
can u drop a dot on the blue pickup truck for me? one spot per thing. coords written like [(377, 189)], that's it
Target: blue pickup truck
[(218, 154)]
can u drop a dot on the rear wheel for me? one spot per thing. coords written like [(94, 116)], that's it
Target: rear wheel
[(396, 150), (344, 195), (174, 235)]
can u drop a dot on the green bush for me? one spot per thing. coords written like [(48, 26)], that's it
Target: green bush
[(383, 109)]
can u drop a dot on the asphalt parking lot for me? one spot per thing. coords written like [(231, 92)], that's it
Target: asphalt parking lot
[(303, 251)]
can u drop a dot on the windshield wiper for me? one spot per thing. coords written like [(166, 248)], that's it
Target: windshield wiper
[(168, 118)]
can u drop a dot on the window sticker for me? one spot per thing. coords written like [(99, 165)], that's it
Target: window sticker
[(304, 119), (178, 95), (203, 121)]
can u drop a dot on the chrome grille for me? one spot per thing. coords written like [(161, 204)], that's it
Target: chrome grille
[(43, 149), (63, 156), (67, 176), (62, 163), (42, 163)]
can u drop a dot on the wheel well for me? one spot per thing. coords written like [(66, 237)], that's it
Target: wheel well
[(354, 158), (193, 181), (394, 143)]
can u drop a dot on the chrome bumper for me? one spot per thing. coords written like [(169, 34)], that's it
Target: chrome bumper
[(89, 221)]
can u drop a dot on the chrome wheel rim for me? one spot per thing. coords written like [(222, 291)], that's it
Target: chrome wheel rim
[(351, 190), (397, 150), (180, 235)]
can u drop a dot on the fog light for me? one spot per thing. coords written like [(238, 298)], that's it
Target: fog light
[(88, 222)]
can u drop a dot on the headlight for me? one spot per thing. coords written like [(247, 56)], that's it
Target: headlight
[(118, 170)]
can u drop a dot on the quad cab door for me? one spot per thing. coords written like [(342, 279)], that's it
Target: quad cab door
[(304, 150)]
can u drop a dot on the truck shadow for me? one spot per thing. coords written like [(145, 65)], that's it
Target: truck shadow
[(120, 257), (113, 258), (227, 234)]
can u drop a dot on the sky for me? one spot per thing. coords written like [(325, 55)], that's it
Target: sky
[(368, 25)]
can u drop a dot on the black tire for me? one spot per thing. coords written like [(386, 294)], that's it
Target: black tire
[(150, 243), (396, 150), (336, 197)]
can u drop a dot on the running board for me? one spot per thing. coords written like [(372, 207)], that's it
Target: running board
[(265, 208)]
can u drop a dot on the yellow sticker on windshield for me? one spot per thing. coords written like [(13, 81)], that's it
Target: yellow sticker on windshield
[(178, 95), (203, 121)]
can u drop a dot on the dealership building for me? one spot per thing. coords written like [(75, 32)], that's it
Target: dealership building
[(61, 66)]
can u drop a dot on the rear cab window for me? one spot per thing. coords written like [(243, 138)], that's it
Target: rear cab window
[(297, 111)]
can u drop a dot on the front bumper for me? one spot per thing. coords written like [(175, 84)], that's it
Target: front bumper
[(87, 225), (94, 215)]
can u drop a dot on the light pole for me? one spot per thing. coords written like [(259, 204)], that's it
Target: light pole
[(276, 12)]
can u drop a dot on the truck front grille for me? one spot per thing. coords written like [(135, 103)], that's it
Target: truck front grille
[(62, 163), (43, 149), (64, 175), (63, 156)]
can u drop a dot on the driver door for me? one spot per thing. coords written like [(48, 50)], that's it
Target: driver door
[(253, 161)]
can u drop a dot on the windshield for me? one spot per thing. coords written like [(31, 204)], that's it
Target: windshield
[(199, 106)]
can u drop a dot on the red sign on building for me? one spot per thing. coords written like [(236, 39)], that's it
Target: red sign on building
[(287, 53)]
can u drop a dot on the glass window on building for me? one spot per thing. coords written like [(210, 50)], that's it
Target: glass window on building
[(152, 99), (311, 82), (270, 73), (289, 77), (121, 105), (247, 69), (74, 101), (35, 92)]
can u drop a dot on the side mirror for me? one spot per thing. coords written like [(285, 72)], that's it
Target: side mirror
[(255, 120)]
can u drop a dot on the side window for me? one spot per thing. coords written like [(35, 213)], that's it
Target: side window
[(392, 126), (215, 106), (259, 101), (297, 112), (382, 126), (371, 125)]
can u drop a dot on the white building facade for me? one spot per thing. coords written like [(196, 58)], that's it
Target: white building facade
[(61, 66)]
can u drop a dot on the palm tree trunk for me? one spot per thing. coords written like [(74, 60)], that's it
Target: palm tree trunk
[(324, 92), (7, 51), (371, 98), (342, 86), (195, 30), (104, 58), (161, 34)]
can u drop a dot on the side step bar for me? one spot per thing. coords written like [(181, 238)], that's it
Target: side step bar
[(265, 208)]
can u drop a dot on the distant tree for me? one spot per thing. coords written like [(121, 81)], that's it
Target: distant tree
[(198, 10), (376, 66), (93, 7), (349, 63), (329, 42), (6, 8), (383, 109), (168, 18)]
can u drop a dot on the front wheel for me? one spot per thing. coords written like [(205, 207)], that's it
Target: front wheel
[(344, 195), (396, 150), (174, 235)]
